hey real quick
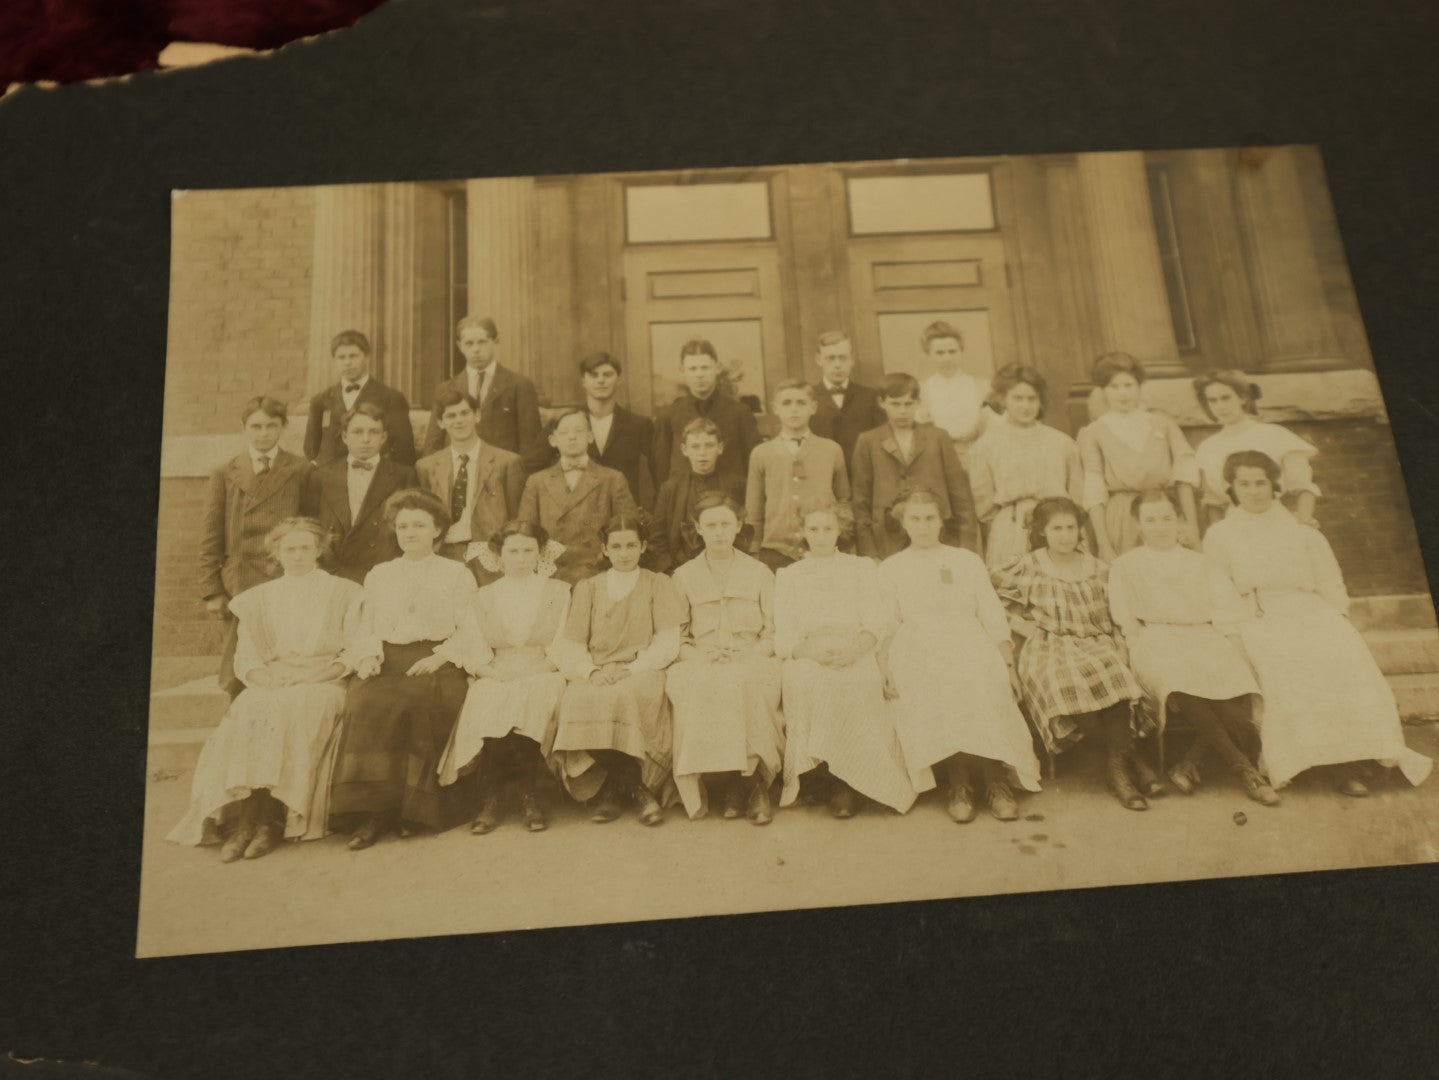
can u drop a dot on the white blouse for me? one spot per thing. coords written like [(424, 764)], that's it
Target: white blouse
[(955, 403), (409, 600), (1286, 449)]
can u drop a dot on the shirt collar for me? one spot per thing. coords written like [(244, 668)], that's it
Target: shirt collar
[(269, 455), (360, 382), (472, 453), (831, 388)]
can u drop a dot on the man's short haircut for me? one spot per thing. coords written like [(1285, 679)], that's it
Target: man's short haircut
[(898, 385), (484, 322), (701, 425), (698, 347), (268, 405), (940, 329), (792, 384), (597, 360), (365, 408), (831, 337), (567, 411), (450, 397), (350, 337)]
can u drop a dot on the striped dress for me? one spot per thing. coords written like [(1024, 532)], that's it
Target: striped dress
[(1073, 663)]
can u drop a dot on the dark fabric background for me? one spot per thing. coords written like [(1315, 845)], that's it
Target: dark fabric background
[(1330, 971)]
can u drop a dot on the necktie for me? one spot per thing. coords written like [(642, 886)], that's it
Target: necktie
[(461, 489), (262, 466), (352, 388), (356, 463)]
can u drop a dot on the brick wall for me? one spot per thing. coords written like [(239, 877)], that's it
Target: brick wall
[(181, 625), (239, 304)]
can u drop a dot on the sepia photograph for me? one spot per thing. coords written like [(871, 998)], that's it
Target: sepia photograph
[(570, 549)]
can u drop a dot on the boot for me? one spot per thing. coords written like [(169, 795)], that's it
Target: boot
[(492, 812), (734, 799), (267, 838), (961, 803), (532, 814), (1119, 782), (607, 805), (1347, 782), (1001, 802), (1185, 777), (759, 809), (370, 830), (237, 842), (1145, 778), (647, 807), (1257, 788), (844, 803)]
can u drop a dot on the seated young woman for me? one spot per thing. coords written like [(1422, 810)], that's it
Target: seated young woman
[(615, 737), (725, 687), (264, 774), (509, 644), (950, 664), (1326, 703), (1072, 667), (406, 696), (830, 617), (1177, 611)]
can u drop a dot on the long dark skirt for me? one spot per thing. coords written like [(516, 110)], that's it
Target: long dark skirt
[(395, 727)]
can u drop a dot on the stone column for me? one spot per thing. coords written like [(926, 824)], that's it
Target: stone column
[(501, 216), (346, 277), (1128, 276), (396, 355), (1294, 320)]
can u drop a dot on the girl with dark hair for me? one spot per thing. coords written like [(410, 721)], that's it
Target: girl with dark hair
[(1326, 703), (510, 647), (1072, 666), (615, 736), (1127, 450), (950, 664), (725, 687), (263, 774), (1178, 611), (1017, 462), (830, 616), (408, 689), (1229, 398)]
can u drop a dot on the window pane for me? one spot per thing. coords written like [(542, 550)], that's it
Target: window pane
[(900, 349), (674, 213), (951, 202)]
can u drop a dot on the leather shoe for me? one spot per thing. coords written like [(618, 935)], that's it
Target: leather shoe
[(961, 804), (1184, 777), (647, 806), (844, 803), (267, 839), (366, 835), (1001, 802), (532, 815), (236, 843), (1353, 787), (606, 806), (759, 810), (1123, 788), (489, 818), (1257, 789), (734, 801), (1145, 778)]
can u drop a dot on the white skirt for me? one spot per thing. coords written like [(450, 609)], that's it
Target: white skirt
[(524, 704), (1195, 660)]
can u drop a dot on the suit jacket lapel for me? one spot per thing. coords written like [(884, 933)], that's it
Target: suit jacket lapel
[(484, 466), (337, 491), (242, 469), (384, 482)]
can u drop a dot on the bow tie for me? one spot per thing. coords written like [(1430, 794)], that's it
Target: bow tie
[(574, 468), (839, 389), (352, 388), (355, 463)]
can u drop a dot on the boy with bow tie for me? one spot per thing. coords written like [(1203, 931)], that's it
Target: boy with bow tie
[(324, 435), (846, 410)]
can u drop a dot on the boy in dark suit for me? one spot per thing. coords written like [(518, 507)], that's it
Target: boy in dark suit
[(739, 434), (846, 409), (348, 495), (897, 457), (509, 407), (248, 496), (324, 434), (574, 498), (672, 541), (480, 484)]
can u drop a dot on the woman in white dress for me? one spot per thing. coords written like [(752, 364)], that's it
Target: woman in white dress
[(614, 742), (1178, 614), (953, 399), (1326, 703), (1228, 398), (725, 687), (510, 638), (1017, 462), (950, 664), (830, 616), (264, 773)]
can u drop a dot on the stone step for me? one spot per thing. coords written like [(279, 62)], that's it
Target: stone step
[(175, 751), (1418, 696), (198, 703), (1399, 612), (168, 672), (1404, 652)]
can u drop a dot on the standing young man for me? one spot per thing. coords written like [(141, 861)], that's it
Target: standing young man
[(672, 538), (479, 483), (846, 410), (700, 371), (509, 408), (348, 495), (248, 495), (324, 434)]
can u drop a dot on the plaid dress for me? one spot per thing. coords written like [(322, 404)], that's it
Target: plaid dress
[(1073, 663)]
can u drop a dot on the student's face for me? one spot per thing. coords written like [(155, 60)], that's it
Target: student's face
[(835, 362), (298, 552), (922, 523), (900, 410), (519, 555), (1122, 393), (1253, 488), (262, 431), (365, 437), (572, 435), (703, 452), (477, 346), (794, 409), (718, 527), (1224, 403), (1158, 524), (352, 362), (1021, 404), (601, 383), (1061, 533), (416, 532), (699, 373), (623, 549), (947, 354), (821, 532), (458, 422)]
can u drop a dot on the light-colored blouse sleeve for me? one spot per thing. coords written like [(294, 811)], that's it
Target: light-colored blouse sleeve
[(981, 478), (988, 607), (572, 655), (1226, 606), (366, 643), (1123, 606), (468, 648), (1296, 473), (1183, 467), (1091, 459), (764, 645), (1328, 579), (350, 625), (249, 657), (789, 629), (1073, 472), (558, 651), (874, 607)]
